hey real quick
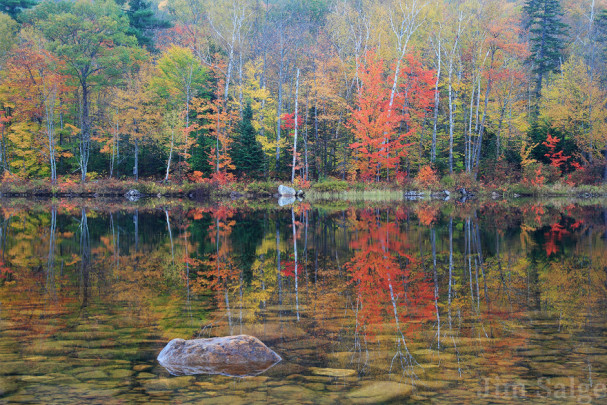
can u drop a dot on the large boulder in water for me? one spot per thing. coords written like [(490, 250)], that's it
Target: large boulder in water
[(286, 191), (240, 355)]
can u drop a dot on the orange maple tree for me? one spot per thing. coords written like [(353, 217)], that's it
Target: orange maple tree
[(219, 119), (381, 122)]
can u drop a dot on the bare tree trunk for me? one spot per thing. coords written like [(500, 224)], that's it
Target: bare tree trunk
[(295, 254), (85, 133), (296, 125), (136, 162), (436, 101), (166, 177), (49, 107), (279, 106)]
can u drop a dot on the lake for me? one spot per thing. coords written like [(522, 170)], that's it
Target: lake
[(477, 302)]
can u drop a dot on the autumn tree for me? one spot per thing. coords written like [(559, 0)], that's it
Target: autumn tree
[(373, 122), (92, 39), (217, 121), (380, 143), (263, 108), (139, 114), (33, 86), (573, 104), (180, 77), (8, 32)]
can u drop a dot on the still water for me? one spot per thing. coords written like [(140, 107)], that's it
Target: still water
[(421, 302)]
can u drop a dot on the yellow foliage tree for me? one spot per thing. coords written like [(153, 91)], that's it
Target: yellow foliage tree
[(574, 102)]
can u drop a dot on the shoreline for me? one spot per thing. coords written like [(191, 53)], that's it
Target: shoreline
[(318, 191)]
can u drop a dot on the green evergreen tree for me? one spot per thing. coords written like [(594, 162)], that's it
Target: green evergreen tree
[(247, 154), (142, 22), (14, 7), (543, 19)]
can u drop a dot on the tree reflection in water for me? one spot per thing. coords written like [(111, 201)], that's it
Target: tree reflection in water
[(428, 294)]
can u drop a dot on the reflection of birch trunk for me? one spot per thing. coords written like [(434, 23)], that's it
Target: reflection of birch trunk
[(225, 284), (406, 359), (435, 287), (115, 243), (50, 267), (295, 254), (136, 223), (306, 246), (481, 263), (499, 268), (450, 265), (450, 294), (278, 269), (3, 237), (263, 279), (187, 272), (166, 212), (240, 278), (469, 257), (85, 257)]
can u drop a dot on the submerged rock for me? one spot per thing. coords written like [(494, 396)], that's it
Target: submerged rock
[(380, 391), (286, 191), (333, 372), (240, 355)]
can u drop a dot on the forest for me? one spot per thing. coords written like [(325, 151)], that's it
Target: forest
[(397, 92)]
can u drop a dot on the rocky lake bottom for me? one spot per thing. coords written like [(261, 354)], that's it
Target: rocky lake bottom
[(383, 304)]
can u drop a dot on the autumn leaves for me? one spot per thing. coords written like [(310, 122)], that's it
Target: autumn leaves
[(382, 121)]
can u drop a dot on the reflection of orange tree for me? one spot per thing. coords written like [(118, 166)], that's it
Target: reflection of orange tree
[(222, 272), (426, 213), (385, 285)]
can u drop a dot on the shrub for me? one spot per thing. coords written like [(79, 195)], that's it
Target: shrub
[(465, 180), (538, 174), (331, 185), (448, 181), (262, 187), (426, 178), (500, 172), (590, 174)]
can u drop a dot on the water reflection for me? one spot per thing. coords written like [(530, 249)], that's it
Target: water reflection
[(364, 304)]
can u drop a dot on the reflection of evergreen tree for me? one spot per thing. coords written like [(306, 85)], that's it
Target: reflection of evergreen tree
[(246, 236)]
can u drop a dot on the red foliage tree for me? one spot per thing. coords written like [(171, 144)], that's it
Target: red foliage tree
[(557, 159), (381, 124)]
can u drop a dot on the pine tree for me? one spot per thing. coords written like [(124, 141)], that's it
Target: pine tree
[(247, 154), (543, 19), (142, 21), (14, 7)]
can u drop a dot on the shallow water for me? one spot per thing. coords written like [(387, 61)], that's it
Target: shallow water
[(466, 303)]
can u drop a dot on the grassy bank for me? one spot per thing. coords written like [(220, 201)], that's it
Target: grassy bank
[(330, 189)]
